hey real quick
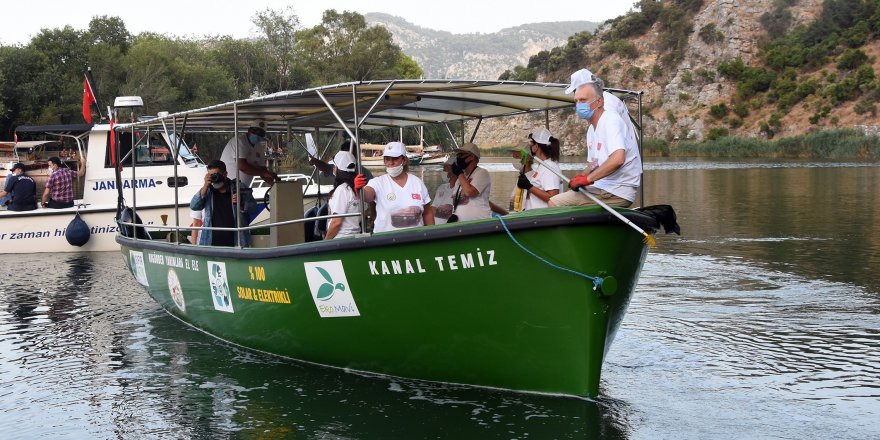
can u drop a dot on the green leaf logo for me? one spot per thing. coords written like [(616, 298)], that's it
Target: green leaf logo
[(326, 291)]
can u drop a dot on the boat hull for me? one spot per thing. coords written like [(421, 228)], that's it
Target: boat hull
[(458, 303), (42, 230)]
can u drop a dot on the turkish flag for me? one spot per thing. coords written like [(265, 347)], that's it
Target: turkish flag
[(112, 144), (88, 100)]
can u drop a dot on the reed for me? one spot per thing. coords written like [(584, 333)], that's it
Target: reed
[(828, 144)]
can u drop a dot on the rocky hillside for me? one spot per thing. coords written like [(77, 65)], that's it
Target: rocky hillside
[(711, 68), (475, 56)]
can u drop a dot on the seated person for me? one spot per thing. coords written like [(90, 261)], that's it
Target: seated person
[(59, 188), (343, 199), (218, 199), (473, 185), (541, 182), (22, 190)]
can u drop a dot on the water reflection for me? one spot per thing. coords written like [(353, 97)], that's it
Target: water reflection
[(207, 388), (759, 322)]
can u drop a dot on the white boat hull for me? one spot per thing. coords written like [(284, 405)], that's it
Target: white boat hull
[(43, 230)]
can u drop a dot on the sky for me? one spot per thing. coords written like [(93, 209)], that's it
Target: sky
[(185, 18)]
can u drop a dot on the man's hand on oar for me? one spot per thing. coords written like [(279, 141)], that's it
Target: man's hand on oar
[(578, 182)]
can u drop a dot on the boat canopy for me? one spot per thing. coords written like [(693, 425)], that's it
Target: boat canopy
[(57, 128), (375, 104)]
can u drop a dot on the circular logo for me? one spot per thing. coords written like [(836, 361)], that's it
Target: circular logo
[(175, 290), (392, 197)]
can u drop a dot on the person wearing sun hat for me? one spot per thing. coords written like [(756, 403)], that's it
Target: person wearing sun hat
[(541, 182), (247, 158), (402, 200), (343, 199), (614, 168), (470, 200), (610, 102)]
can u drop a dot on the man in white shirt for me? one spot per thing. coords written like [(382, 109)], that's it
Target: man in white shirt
[(247, 160), (615, 169)]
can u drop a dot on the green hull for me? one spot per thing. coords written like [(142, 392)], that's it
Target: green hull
[(459, 303)]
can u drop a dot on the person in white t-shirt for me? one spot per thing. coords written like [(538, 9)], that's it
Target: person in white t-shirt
[(541, 182), (443, 197), (343, 199), (198, 222), (402, 200), (615, 169), (248, 159), (470, 198)]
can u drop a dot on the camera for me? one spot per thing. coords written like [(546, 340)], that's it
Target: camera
[(217, 178)]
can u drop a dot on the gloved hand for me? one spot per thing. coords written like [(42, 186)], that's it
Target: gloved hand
[(523, 182), (578, 182), (359, 182), (457, 170)]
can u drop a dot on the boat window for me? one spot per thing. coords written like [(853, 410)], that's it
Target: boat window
[(185, 152), (149, 149)]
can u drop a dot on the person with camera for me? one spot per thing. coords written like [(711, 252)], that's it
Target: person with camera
[(473, 185), (217, 198)]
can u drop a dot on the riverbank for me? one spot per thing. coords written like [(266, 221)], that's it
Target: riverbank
[(842, 144)]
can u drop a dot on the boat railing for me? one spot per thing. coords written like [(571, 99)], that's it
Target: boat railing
[(177, 228), (258, 181)]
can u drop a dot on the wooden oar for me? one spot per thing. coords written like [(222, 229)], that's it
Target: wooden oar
[(648, 238)]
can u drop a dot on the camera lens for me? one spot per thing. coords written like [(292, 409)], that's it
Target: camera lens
[(216, 178)]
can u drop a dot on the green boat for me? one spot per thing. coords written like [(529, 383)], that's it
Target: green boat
[(528, 302)]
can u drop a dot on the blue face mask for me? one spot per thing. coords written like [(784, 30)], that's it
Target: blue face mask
[(255, 139), (584, 111)]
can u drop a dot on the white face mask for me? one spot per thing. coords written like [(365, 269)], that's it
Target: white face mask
[(217, 185), (394, 171)]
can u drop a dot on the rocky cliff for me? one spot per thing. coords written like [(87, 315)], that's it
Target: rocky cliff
[(475, 56), (709, 68)]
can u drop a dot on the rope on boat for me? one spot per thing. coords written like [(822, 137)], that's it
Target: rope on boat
[(597, 281)]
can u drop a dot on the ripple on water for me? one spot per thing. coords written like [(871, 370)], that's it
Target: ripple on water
[(730, 337)]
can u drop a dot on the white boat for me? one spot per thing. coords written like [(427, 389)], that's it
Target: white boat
[(310, 189), (43, 229)]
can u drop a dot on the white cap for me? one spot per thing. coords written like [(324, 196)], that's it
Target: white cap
[(394, 149), (344, 161), (472, 148), (578, 79), (542, 136)]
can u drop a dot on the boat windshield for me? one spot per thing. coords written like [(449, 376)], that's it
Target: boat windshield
[(185, 152)]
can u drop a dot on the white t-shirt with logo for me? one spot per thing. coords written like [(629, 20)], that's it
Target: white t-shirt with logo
[(344, 201), (543, 178), (399, 207), (252, 154), (443, 203), (610, 136), (477, 207)]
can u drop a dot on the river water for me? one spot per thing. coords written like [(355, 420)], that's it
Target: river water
[(761, 321)]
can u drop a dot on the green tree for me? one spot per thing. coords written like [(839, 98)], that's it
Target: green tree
[(110, 31), (407, 68), (343, 48), (279, 28)]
